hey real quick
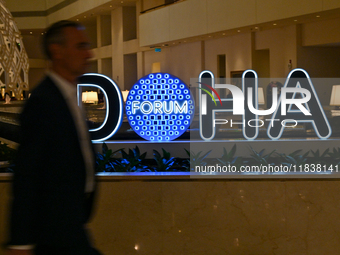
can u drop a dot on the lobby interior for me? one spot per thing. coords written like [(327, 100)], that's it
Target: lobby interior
[(176, 213)]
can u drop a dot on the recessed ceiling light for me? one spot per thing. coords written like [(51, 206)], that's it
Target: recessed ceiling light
[(31, 32), (318, 16), (274, 24)]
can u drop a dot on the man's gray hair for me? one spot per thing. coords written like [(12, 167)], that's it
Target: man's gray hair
[(55, 35)]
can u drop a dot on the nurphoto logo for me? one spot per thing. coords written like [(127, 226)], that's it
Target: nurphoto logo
[(297, 103)]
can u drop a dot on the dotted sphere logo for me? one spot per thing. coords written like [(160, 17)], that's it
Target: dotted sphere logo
[(159, 107)]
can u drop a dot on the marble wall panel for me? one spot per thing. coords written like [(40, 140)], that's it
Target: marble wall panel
[(199, 217)]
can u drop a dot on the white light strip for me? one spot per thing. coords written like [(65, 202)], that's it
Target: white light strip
[(120, 98), (106, 100)]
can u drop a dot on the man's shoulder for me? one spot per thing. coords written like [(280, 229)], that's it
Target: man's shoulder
[(45, 96), (46, 85), (46, 92)]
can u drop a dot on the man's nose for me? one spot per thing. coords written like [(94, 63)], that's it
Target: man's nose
[(89, 53)]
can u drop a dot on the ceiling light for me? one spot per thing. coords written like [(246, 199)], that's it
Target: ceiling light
[(318, 16), (274, 24)]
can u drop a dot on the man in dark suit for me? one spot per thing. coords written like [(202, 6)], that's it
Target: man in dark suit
[(53, 186)]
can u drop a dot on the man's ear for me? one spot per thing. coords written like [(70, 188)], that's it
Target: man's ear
[(56, 51)]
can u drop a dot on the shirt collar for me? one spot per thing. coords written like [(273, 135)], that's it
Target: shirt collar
[(67, 89)]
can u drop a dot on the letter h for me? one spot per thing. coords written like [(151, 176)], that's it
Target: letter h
[(208, 105)]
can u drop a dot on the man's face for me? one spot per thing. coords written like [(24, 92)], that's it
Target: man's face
[(75, 52)]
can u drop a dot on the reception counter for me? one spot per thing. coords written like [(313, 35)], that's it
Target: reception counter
[(178, 214)]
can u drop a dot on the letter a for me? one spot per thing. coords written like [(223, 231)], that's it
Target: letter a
[(300, 78)]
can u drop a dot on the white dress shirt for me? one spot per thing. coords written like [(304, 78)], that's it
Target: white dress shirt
[(69, 92)]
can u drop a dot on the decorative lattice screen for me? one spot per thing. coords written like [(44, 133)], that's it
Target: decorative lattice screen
[(13, 57)]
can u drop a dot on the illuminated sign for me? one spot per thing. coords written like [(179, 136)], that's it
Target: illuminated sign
[(159, 107), (114, 105), (298, 91)]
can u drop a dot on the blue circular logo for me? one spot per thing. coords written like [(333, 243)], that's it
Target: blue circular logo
[(159, 107)]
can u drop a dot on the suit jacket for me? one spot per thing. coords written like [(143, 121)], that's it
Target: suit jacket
[(49, 206)]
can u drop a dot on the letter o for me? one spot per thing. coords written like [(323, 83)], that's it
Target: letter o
[(283, 123)]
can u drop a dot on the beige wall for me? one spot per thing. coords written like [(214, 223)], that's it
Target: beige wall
[(183, 61), (193, 17), (320, 62), (32, 5), (106, 68), (39, 22), (51, 3), (129, 23), (330, 4), (281, 43), (32, 44), (130, 70), (35, 76), (105, 31), (91, 31), (197, 17), (159, 30), (74, 9), (148, 4), (237, 50), (117, 47), (267, 10), (22, 5), (321, 33), (231, 14)]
